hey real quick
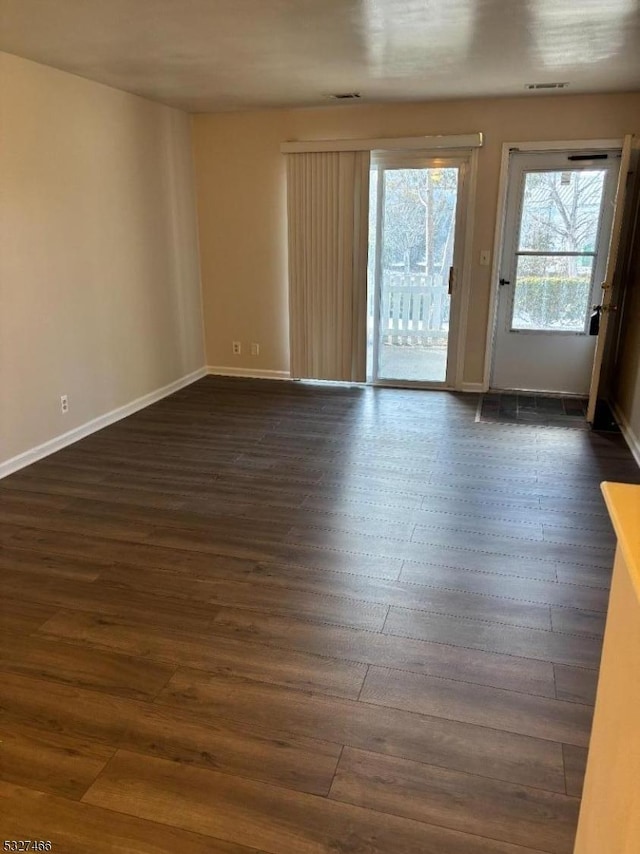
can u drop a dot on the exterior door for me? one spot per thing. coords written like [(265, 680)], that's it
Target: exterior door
[(557, 230), (417, 214)]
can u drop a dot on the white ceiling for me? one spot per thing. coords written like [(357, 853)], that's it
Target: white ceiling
[(210, 55)]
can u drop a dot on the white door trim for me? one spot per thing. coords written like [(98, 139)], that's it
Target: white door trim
[(507, 148)]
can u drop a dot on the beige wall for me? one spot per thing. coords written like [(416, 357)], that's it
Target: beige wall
[(99, 272), (241, 199)]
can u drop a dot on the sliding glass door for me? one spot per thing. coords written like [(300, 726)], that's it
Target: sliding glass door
[(414, 249)]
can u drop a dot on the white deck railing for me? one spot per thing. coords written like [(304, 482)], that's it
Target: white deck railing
[(414, 309)]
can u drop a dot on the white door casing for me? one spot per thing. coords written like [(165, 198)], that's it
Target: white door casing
[(608, 291)]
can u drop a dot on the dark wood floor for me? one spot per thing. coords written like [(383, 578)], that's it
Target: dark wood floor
[(273, 617)]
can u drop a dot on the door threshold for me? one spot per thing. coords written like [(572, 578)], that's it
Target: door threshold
[(415, 384)]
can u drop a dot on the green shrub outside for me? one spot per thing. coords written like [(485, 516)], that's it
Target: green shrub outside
[(554, 302)]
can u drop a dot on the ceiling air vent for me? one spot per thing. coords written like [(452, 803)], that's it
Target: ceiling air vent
[(545, 85), (344, 96)]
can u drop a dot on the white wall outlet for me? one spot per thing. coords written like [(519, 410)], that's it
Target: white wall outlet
[(237, 348), (485, 257), (255, 349), (64, 403)]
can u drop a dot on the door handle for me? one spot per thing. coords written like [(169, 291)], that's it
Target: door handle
[(452, 276), (504, 282)]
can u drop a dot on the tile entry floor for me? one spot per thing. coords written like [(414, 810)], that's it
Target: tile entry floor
[(535, 410)]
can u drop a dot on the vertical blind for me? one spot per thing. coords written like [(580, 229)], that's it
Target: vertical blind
[(328, 213)]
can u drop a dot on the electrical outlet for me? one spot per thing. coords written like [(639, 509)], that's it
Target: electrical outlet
[(255, 349), (64, 404), (237, 348), (485, 257)]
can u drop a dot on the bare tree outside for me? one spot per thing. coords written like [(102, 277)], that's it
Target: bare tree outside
[(560, 213), (419, 219)]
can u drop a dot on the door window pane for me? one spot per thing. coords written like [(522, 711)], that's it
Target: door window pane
[(552, 293), (418, 230), (561, 210)]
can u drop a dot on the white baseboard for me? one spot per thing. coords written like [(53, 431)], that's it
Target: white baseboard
[(254, 373), (630, 437), (478, 388), (59, 442)]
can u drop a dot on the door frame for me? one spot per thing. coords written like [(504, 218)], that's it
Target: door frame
[(612, 286), (556, 146), (467, 162)]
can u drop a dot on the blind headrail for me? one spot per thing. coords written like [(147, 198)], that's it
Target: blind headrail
[(402, 143)]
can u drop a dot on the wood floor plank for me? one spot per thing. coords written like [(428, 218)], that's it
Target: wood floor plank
[(128, 530), (487, 518), (48, 761), (578, 621), (437, 659), (395, 732), (243, 488), (576, 684), (212, 516), (28, 560), (52, 659), (520, 586), (88, 548), (215, 654), (547, 497), (533, 485), (539, 717), (598, 556), (458, 558), (591, 506), (580, 537), (439, 496), (281, 588), (453, 799), (55, 464), (17, 501), (408, 595), (327, 557), (260, 753), (76, 828), (442, 512), (306, 604), (274, 819), (19, 617), (575, 764), (506, 524), (591, 576), (73, 594), (322, 604), (385, 475), (29, 484), (581, 651)]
